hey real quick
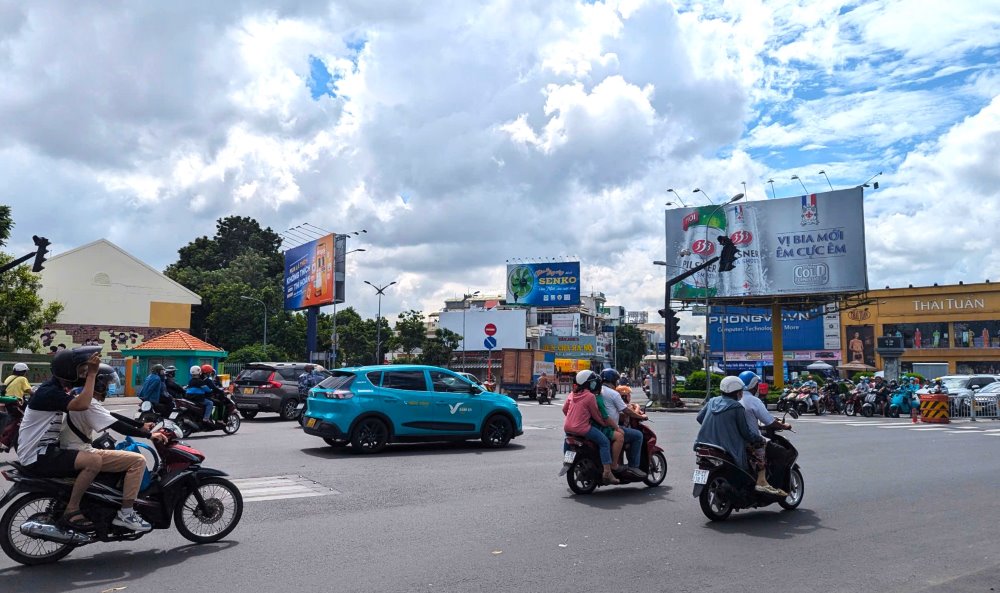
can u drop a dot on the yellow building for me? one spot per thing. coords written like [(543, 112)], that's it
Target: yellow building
[(957, 324)]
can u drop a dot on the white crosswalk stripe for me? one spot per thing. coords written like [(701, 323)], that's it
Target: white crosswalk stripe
[(280, 488), (905, 424)]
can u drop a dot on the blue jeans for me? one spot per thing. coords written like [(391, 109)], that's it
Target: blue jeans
[(602, 442), (208, 409), (633, 444)]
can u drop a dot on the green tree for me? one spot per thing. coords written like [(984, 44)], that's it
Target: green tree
[(410, 331), (6, 224), (257, 353), (22, 311), (630, 347), (437, 350)]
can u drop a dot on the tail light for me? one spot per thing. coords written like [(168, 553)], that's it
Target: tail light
[(339, 394), (272, 383)]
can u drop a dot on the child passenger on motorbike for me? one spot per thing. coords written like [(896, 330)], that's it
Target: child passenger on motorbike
[(581, 408), (200, 389)]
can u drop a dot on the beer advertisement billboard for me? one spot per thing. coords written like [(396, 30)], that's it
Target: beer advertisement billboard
[(803, 245), (544, 284), (309, 274)]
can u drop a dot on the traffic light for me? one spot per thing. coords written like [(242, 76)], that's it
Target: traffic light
[(729, 254), (672, 323), (43, 248)]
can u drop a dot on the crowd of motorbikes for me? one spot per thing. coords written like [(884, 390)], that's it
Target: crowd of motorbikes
[(890, 398)]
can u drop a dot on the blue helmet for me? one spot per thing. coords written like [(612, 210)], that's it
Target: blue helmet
[(610, 377), (750, 379)]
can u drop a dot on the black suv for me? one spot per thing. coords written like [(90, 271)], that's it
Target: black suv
[(270, 387)]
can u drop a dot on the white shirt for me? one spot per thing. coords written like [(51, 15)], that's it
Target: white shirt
[(755, 411), (613, 402), (94, 418)]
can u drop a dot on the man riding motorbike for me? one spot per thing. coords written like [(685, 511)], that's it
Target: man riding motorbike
[(154, 391), (174, 389), (583, 418), (200, 390), (16, 389), (724, 423), (78, 434), (757, 414), (617, 411)]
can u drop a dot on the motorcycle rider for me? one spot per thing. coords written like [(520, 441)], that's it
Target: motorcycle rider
[(17, 385), (813, 389), (154, 390), (78, 433), (757, 415), (200, 389), (174, 389), (16, 388), (38, 451), (618, 411), (724, 423), (307, 380), (583, 417)]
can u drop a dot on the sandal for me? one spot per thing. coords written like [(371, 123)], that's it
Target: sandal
[(610, 479), (77, 521)]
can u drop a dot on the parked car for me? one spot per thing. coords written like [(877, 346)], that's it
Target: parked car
[(270, 387), (960, 387), (370, 407)]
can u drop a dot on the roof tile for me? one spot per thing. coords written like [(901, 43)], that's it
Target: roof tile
[(176, 340)]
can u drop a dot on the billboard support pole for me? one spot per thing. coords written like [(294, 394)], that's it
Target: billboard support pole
[(312, 317), (778, 346)]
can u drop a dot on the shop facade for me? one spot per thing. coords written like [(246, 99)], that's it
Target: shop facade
[(957, 325)]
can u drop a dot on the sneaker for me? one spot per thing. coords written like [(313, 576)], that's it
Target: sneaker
[(636, 472), (131, 520)]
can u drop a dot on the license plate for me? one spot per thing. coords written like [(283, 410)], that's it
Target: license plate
[(248, 390), (700, 476), (312, 422), (569, 456)]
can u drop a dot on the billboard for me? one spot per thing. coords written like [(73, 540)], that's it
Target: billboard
[(750, 329), (565, 324), (575, 347), (314, 275), (803, 245), (543, 284), (509, 327)]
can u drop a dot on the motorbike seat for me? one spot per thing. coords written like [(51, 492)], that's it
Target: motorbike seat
[(576, 441), (709, 450)]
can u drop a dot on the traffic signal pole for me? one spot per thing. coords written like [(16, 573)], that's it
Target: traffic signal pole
[(667, 315), (39, 254)]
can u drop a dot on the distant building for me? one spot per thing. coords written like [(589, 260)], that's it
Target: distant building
[(111, 299)]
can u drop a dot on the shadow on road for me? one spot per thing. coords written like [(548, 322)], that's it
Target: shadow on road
[(619, 497), (410, 449), (104, 569), (770, 523)]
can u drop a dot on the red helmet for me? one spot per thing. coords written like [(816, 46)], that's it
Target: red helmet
[(206, 369)]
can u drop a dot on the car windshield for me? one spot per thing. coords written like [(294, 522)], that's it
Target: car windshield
[(993, 387), (955, 382), (336, 381), (254, 375)]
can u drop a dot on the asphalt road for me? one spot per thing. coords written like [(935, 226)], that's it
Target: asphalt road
[(886, 508)]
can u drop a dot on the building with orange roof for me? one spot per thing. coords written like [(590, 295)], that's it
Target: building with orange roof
[(177, 348)]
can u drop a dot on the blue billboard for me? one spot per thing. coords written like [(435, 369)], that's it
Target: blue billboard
[(750, 329), (314, 273), (543, 284)]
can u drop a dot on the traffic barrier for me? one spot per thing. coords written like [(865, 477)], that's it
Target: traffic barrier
[(986, 407), (934, 409)]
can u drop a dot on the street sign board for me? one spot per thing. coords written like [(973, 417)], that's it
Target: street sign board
[(490, 342), (490, 329)]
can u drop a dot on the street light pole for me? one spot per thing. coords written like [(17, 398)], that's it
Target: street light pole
[(333, 337), (263, 304), (708, 351), (380, 291), (465, 298)]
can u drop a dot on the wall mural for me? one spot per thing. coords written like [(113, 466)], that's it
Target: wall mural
[(111, 339)]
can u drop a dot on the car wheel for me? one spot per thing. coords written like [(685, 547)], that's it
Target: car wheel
[(371, 435), (249, 415), (497, 432), (289, 409)]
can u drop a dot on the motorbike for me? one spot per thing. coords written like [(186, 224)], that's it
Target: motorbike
[(187, 415), (830, 397), (874, 404), (855, 399), (903, 401), (788, 395), (204, 506), (585, 470), (804, 403), (722, 486), (9, 429)]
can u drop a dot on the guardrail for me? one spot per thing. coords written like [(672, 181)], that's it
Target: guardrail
[(987, 407)]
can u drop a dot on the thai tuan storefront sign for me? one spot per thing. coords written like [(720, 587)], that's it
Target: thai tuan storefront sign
[(570, 347)]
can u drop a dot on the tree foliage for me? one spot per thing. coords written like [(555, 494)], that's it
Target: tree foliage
[(22, 311), (410, 331), (437, 350), (630, 347)]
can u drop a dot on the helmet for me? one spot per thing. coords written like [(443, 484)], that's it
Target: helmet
[(65, 362), (20, 368), (206, 369), (170, 370), (106, 375), (588, 380), (750, 379), (610, 376), (196, 371), (731, 385), (157, 369)]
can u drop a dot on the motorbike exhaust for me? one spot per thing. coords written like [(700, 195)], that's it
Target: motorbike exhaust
[(52, 533)]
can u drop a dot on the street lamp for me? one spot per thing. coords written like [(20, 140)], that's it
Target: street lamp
[(771, 181), (380, 291), (796, 177), (704, 193), (465, 298), (333, 337), (823, 173), (678, 198), (246, 298)]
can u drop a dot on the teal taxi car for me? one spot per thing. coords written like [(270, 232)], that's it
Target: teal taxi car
[(370, 407)]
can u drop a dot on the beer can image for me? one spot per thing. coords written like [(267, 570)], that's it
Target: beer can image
[(700, 230), (747, 278)]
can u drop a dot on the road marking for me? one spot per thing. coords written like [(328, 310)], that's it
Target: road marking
[(280, 488), (924, 429), (966, 432)]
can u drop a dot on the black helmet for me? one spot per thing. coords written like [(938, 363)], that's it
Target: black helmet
[(610, 376), (65, 362), (588, 380), (170, 370), (157, 369), (105, 376)]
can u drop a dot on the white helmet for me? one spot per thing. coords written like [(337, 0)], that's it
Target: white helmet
[(20, 368), (196, 371), (731, 385)]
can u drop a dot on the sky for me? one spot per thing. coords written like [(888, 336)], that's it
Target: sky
[(464, 134)]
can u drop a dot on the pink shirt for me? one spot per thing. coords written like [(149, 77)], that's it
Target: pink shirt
[(579, 408)]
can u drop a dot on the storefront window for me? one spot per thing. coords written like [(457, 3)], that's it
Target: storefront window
[(919, 335), (977, 334), (978, 368)]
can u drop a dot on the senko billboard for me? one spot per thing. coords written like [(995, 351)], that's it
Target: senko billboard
[(543, 284)]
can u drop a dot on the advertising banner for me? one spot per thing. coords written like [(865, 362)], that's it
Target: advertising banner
[(565, 324), (309, 274), (803, 245), (575, 347), (544, 284), (750, 329), (508, 327)]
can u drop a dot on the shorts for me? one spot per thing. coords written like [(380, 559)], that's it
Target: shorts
[(55, 463)]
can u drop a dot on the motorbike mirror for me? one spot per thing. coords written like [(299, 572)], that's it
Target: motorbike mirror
[(793, 413), (146, 406)]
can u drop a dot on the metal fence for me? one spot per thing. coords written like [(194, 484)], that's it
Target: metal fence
[(986, 407)]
